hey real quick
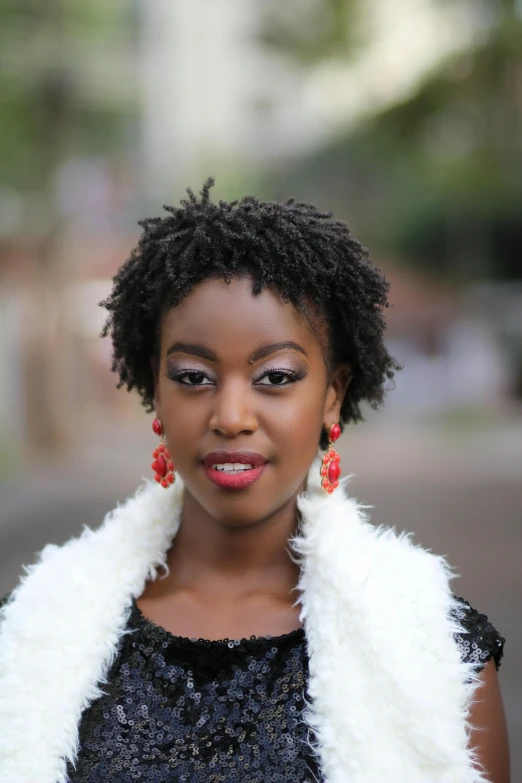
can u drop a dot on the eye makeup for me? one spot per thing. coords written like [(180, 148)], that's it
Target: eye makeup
[(196, 377)]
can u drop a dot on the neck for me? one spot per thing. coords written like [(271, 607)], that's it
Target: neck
[(208, 557)]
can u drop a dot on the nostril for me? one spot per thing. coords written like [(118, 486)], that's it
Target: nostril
[(232, 422)]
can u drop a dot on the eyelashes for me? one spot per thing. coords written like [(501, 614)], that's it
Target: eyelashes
[(276, 376), (195, 376), (283, 373)]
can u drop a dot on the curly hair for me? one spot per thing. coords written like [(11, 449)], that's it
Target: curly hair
[(291, 247)]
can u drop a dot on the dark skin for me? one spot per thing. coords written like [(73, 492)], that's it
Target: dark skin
[(261, 385), (230, 572)]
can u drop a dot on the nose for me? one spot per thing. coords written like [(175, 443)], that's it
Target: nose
[(232, 413)]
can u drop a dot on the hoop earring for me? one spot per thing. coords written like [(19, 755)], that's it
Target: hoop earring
[(163, 465), (330, 468)]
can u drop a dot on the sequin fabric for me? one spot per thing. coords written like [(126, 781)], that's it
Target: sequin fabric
[(188, 711), (177, 709), (482, 642)]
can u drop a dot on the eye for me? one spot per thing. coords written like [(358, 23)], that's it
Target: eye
[(190, 378), (279, 377)]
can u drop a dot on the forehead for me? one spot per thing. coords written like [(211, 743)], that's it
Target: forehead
[(230, 317)]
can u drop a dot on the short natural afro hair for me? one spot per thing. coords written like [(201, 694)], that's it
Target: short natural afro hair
[(291, 247)]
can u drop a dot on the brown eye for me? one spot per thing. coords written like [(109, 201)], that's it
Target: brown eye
[(278, 377), (194, 378), (190, 378)]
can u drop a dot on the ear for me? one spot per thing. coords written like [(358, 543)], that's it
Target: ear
[(154, 366), (340, 379)]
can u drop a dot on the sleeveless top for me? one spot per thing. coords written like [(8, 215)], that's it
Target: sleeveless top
[(194, 711)]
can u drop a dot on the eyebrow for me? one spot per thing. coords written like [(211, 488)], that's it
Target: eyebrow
[(195, 350), (259, 353), (267, 350)]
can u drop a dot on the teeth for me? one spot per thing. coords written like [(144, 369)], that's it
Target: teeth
[(232, 467)]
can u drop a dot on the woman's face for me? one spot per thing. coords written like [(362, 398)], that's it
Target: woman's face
[(242, 382)]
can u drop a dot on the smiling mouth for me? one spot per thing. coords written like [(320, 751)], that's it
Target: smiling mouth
[(232, 467), (234, 470)]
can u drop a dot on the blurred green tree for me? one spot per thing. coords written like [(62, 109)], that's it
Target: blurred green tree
[(313, 30), (65, 91), (437, 178), (64, 83)]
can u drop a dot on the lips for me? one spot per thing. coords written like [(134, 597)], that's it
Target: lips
[(222, 457), (228, 480)]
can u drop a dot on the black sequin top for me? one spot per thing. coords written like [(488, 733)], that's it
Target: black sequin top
[(177, 710)]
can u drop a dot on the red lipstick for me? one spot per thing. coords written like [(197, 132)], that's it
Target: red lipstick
[(236, 477)]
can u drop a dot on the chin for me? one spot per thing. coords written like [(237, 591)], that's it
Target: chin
[(242, 514), (236, 509)]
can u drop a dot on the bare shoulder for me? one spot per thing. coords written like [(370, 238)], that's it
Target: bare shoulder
[(489, 733)]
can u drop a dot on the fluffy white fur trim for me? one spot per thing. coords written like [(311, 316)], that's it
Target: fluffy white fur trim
[(59, 633), (388, 693)]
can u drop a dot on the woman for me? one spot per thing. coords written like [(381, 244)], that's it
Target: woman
[(239, 619)]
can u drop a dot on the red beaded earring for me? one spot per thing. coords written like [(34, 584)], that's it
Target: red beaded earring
[(330, 468), (163, 465)]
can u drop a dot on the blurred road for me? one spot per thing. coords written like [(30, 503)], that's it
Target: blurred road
[(460, 493)]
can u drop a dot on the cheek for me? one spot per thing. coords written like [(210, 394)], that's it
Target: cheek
[(295, 424), (289, 425), (186, 421)]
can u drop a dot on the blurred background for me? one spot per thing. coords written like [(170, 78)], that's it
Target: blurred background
[(404, 118)]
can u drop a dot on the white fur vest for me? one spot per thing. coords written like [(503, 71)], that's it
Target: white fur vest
[(388, 695)]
